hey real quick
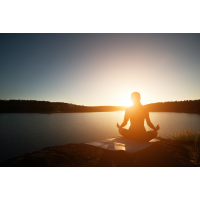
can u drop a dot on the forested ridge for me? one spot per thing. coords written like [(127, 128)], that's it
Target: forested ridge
[(33, 106), (187, 106)]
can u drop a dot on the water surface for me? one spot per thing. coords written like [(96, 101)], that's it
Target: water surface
[(22, 133)]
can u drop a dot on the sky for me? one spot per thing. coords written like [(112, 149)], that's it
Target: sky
[(100, 69)]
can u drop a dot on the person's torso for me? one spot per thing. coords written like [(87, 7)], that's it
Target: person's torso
[(137, 115)]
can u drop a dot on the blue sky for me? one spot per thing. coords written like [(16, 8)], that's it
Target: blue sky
[(100, 69)]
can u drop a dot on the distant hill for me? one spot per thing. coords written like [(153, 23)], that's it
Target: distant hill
[(33, 106), (187, 106)]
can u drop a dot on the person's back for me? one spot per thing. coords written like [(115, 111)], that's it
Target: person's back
[(137, 114)]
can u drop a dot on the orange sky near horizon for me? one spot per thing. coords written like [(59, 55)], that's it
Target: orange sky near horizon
[(100, 69)]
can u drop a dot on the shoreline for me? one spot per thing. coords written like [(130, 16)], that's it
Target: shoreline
[(94, 112), (166, 153)]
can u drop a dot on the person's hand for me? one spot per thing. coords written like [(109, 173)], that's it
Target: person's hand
[(118, 126), (157, 127)]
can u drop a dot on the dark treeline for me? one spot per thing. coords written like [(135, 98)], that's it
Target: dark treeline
[(187, 106), (33, 106)]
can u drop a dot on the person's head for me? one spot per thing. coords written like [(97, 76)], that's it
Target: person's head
[(135, 97)]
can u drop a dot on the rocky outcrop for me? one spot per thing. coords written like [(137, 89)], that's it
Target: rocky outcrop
[(162, 154)]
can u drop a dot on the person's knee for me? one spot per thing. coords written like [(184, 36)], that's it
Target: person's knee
[(155, 133), (120, 130), (123, 131)]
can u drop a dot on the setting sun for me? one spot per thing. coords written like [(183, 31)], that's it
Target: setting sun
[(125, 99), (127, 102)]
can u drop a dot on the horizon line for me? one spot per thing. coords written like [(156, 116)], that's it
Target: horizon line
[(90, 106)]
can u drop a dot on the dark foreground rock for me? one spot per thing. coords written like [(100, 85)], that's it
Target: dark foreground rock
[(165, 153)]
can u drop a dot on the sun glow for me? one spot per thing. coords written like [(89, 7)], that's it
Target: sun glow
[(125, 100), (127, 103)]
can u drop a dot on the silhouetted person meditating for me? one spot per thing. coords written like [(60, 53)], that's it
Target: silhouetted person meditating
[(137, 114)]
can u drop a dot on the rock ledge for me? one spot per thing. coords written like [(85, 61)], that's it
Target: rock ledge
[(165, 153)]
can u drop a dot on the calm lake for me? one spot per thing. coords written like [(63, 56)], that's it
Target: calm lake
[(22, 133)]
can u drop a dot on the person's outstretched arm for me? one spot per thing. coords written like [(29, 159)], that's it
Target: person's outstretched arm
[(124, 122), (150, 124)]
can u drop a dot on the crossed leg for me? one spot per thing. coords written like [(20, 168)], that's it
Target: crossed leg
[(144, 136)]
